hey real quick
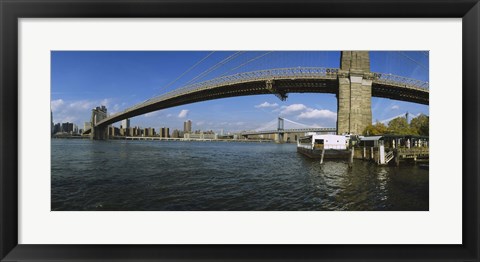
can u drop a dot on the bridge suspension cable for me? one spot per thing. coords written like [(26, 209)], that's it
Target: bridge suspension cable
[(188, 70), (273, 125), (268, 126), (249, 61), (215, 67), (296, 123), (413, 60)]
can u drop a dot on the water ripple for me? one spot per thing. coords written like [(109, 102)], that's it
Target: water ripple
[(153, 175)]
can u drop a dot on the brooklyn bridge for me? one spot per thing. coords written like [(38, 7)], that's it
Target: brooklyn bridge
[(353, 84)]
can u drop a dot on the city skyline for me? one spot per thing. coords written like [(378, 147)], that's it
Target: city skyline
[(118, 80), (124, 129)]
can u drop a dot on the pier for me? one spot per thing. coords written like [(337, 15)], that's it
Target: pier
[(385, 149)]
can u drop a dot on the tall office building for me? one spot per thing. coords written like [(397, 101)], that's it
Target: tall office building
[(165, 132), (187, 126), (151, 131), (67, 127), (176, 133), (126, 123), (57, 128)]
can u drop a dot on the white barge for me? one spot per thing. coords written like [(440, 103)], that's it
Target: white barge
[(324, 146)]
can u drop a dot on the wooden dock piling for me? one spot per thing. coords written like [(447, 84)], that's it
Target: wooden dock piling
[(350, 163)]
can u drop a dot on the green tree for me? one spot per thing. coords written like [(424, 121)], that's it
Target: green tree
[(374, 130), (399, 126), (420, 125)]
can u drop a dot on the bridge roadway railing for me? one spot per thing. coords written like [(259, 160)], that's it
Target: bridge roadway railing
[(261, 75), (277, 74), (389, 79), (297, 130)]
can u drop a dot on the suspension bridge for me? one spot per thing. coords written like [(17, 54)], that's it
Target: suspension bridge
[(283, 130), (353, 84)]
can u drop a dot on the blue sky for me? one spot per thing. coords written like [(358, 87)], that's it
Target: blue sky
[(82, 80)]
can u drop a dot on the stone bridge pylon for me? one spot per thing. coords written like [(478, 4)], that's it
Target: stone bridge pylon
[(354, 95), (98, 132)]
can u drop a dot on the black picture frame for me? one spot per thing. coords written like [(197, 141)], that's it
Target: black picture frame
[(11, 11)]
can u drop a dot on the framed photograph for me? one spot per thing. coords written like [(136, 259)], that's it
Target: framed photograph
[(223, 130)]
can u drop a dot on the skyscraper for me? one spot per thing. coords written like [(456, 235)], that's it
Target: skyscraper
[(57, 128), (176, 133), (165, 132), (187, 126), (67, 127), (126, 123)]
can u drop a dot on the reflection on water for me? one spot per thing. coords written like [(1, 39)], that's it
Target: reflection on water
[(154, 175)]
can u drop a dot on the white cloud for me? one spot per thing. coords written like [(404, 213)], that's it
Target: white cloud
[(395, 107), (115, 109), (316, 113), (106, 102), (84, 104), (152, 114), (56, 104), (200, 123), (183, 113), (292, 109), (266, 105), (78, 111)]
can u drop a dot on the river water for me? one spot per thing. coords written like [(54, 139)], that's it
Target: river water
[(159, 175)]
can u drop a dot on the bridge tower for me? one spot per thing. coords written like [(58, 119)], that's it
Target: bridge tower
[(354, 92), (98, 114), (280, 124), (280, 134)]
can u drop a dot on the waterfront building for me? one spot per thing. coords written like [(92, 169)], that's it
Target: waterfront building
[(187, 126), (165, 132), (67, 127), (136, 131), (176, 133), (87, 125), (199, 135), (57, 128), (125, 123)]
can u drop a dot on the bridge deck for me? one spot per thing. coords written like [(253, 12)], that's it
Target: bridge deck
[(284, 81)]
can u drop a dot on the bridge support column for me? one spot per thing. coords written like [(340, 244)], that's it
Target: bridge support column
[(98, 132), (279, 138), (354, 95)]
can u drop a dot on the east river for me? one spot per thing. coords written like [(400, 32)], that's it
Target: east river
[(158, 175)]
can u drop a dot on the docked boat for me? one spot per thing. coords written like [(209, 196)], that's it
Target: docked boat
[(324, 146)]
